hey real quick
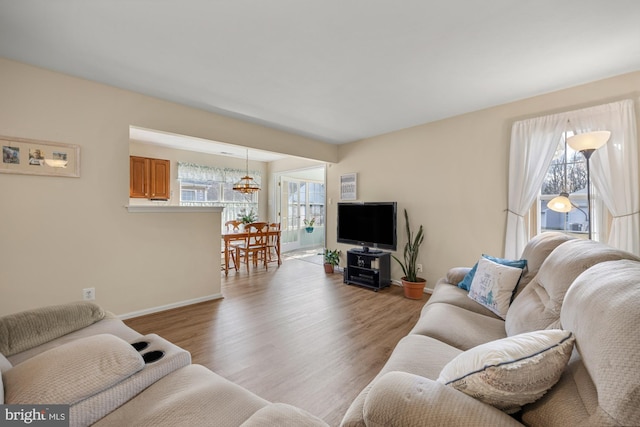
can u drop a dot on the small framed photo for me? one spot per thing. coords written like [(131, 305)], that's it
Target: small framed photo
[(348, 186), (32, 157)]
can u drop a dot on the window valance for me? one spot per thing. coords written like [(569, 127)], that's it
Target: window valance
[(202, 174)]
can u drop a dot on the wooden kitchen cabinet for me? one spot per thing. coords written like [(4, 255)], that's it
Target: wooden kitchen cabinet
[(149, 178)]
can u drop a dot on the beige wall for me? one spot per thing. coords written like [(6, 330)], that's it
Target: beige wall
[(60, 235), (452, 175)]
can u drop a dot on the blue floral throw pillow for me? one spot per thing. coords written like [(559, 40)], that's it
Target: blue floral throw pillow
[(466, 282)]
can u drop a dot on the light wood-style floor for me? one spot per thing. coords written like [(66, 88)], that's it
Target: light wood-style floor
[(292, 334)]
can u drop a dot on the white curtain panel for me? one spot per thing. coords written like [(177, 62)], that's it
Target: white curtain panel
[(533, 144), (614, 169)]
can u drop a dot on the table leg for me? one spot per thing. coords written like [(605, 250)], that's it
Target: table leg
[(278, 248), (226, 257)]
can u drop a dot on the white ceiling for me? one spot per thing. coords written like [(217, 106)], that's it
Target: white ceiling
[(335, 70), (190, 143)]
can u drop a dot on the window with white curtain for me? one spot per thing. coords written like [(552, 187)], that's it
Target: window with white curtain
[(614, 170), (212, 186)]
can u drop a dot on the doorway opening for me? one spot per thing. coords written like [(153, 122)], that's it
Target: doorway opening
[(301, 209)]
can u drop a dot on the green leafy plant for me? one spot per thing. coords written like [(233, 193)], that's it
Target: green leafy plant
[(309, 222), (247, 218), (332, 257), (411, 250)]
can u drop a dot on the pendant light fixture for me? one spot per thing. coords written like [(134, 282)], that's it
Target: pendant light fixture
[(561, 202), (246, 185)]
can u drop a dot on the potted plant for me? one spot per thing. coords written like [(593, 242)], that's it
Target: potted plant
[(247, 218), (331, 260), (412, 284), (308, 224)]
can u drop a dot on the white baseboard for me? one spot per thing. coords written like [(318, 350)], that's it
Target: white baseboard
[(169, 306)]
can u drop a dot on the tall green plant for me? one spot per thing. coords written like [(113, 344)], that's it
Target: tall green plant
[(411, 252)]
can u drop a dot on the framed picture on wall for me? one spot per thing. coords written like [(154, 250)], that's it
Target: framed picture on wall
[(32, 157), (348, 186)]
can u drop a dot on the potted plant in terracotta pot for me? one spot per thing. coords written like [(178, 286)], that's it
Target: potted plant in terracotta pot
[(308, 224), (331, 260), (412, 284)]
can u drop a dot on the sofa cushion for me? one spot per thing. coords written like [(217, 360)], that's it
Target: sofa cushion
[(183, 398), (110, 324), (401, 399), (493, 285), (536, 251), (97, 406), (458, 327), (28, 329), (456, 275), (445, 292), (511, 372), (72, 372), (601, 308), (538, 306), (468, 278), (415, 354)]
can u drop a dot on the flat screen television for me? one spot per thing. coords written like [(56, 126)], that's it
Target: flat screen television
[(371, 225)]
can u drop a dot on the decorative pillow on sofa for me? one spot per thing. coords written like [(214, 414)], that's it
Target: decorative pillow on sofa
[(493, 285), (513, 371), (72, 371), (466, 282)]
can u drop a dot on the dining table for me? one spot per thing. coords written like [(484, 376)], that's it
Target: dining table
[(236, 235)]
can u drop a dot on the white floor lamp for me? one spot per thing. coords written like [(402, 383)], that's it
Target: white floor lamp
[(587, 143)]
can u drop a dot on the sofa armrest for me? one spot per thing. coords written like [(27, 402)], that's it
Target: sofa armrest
[(404, 400), (456, 274)]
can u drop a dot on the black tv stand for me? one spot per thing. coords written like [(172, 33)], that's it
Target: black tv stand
[(367, 250), (371, 269)]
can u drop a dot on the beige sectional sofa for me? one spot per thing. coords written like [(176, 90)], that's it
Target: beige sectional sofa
[(79, 355), (578, 298), (580, 288)]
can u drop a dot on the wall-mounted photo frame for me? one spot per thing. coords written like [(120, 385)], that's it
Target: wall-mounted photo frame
[(32, 157), (348, 186)]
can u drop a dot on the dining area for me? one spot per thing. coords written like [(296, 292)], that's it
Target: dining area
[(254, 244)]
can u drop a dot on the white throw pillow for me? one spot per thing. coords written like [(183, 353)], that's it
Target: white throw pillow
[(72, 372), (513, 371), (493, 285)]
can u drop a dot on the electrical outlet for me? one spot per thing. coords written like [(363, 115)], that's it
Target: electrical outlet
[(89, 294), (419, 268)]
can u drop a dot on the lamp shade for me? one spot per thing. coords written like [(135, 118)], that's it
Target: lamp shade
[(589, 141), (561, 203)]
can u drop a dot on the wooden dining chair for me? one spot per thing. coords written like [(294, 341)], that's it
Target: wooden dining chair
[(230, 226), (254, 245), (272, 242)]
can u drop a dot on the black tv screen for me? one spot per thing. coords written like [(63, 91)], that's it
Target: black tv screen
[(369, 224)]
